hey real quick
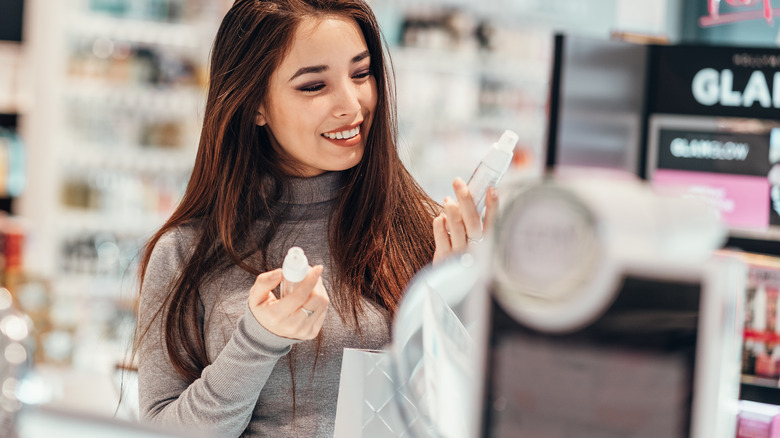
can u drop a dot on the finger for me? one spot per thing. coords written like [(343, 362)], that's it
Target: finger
[(292, 302), (468, 210), (264, 283), (440, 238), (491, 207), (309, 324), (318, 301), (454, 223), (317, 320), (313, 323), (262, 300)]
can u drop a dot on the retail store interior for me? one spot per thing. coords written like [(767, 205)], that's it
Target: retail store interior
[(614, 102)]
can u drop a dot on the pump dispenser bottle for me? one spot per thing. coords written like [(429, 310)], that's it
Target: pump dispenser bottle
[(294, 268), (492, 167)]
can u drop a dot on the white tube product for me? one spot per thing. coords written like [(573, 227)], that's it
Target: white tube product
[(294, 268), (492, 167)]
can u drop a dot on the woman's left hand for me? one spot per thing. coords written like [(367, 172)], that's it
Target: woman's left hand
[(460, 223)]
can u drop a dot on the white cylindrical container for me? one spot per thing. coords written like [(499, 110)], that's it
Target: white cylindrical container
[(492, 167), (294, 269)]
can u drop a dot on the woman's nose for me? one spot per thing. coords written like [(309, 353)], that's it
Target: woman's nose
[(347, 101)]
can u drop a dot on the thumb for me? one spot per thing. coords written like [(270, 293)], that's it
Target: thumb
[(267, 299), (264, 284)]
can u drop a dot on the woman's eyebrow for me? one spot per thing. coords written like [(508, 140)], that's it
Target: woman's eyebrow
[(322, 68), (311, 69), (361, 57)]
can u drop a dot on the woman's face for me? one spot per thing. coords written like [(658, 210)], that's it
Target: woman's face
[(321, 99)]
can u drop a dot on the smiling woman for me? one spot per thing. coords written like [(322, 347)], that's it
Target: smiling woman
[(327, 104), (298, 149)]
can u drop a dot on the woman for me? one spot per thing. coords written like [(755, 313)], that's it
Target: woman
[(297, 149)]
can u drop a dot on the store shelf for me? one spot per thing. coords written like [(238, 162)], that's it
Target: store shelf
[(532, 125), (97, 286), (133, 158), (142, 97), (464, 62), (73, 221), (593, 16), (129, 30)]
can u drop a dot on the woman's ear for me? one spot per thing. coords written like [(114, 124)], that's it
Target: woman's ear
[(260, 118)]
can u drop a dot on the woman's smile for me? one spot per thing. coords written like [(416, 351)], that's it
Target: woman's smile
[(346, 136)]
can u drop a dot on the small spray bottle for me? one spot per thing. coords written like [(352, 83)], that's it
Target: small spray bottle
[(294, 268), (492, 167)]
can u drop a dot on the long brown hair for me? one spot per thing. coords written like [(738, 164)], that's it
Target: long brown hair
[(381, 229)]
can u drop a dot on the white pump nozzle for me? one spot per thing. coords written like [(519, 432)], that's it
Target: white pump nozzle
[(295, 265), (507, 141)]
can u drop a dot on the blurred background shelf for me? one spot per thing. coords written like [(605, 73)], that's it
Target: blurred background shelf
[(119, 157), (135, 30), (139, 97)]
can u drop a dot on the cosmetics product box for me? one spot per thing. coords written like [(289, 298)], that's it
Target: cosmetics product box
[(758, 420)]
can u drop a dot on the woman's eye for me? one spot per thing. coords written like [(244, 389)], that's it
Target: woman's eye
[(311, 88), (363, 74)]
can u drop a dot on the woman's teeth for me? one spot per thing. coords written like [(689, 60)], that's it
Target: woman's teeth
[(343, 135)]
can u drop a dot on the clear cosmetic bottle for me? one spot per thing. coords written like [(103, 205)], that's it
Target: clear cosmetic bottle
[(492, 167), (294, 268)]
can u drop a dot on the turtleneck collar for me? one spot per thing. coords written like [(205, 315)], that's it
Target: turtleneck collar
[(311, 190)]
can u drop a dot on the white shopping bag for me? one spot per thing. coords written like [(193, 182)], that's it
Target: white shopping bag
[(366, 404)]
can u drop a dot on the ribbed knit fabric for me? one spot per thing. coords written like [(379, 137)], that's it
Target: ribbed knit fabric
[(247, 389)]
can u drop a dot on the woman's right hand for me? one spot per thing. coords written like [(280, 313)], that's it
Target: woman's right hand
[(300, 314)]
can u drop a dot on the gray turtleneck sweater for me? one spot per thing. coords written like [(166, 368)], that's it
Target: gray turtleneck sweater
[(247, 389)]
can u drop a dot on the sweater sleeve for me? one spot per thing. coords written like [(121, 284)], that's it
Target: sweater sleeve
[(223, 398)]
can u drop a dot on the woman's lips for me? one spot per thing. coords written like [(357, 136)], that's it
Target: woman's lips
[(349, 136)]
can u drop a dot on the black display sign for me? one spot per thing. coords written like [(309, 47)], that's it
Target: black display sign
[(730, 153), (715, 81)]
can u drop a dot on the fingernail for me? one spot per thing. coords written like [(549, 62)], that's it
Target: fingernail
[(447, 200), (458, 183), (493, 192)]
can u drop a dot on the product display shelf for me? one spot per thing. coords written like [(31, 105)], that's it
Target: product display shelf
[(72, 221), (91, 285), (529, 127), (150, 158), (121, 100), (554, 12), (166, 34), (141, 97), (515, 69)]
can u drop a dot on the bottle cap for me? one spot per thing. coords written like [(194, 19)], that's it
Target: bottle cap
[(295, 265), (507, 141)]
